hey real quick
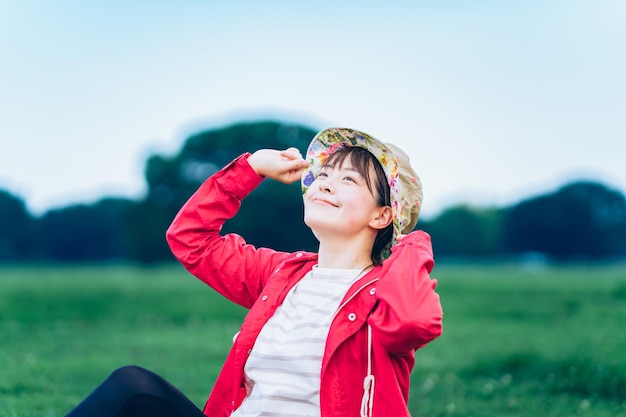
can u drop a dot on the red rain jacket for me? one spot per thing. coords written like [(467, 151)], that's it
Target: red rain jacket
[(396, 299)]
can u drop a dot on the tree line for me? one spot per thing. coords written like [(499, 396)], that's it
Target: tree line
[(582, 220)]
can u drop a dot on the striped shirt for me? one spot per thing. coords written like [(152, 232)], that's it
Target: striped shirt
[(283, 369)]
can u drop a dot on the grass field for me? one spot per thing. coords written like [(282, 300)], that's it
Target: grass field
[(517, 341)]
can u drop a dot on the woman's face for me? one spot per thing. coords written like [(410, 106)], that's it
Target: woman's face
[(339, 202)]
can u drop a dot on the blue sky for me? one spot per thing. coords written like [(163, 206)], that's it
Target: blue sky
[(493, 101)]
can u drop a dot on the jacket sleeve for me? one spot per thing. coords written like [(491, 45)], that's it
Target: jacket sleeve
[(409, 313), (228, 264)]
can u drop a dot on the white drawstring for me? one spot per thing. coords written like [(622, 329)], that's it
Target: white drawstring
[(367, 403)]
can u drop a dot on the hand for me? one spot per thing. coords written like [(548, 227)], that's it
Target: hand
[(284, 166)]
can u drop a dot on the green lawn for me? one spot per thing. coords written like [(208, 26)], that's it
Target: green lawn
[(517, 341)]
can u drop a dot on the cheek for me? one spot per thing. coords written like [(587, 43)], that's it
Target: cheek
[(308, 196), (362, 200)]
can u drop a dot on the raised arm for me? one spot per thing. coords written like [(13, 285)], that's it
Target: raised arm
[(227, 263)]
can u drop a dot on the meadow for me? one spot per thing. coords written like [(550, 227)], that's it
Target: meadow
[(518, 340)]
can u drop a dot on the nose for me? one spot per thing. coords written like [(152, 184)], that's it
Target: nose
[(325, 186)]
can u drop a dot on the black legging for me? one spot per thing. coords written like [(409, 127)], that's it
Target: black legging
[(133, 391)]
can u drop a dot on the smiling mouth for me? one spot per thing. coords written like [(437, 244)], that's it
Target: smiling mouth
[(324, 202)]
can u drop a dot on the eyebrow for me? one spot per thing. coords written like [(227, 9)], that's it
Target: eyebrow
[(351, 169)]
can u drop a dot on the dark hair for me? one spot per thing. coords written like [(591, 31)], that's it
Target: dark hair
[(363, 161)]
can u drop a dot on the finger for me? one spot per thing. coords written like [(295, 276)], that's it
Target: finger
[(293, 161), (297, 165), (292, 153), (290, 176)]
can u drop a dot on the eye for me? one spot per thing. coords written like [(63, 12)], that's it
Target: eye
[(322, 174), (349, 178)]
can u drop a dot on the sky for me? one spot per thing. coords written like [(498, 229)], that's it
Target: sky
[(494, 101)]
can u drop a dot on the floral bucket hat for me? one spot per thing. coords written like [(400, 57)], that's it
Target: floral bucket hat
[(405, 186)]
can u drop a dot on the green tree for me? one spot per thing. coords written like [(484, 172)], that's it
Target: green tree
[(270, 216), (580, 220), (16, 228), (465, 231), (86, 232)]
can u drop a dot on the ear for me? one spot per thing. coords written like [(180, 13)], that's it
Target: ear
[(382, 218)]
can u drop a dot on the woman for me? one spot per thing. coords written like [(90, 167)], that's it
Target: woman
[(331, 333)]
